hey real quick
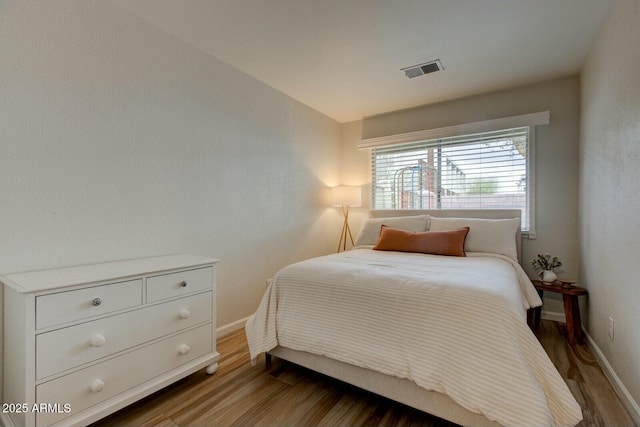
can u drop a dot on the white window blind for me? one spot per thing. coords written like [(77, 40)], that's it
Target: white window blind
[(487, 170)]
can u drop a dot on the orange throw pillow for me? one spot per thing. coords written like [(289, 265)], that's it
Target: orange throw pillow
[(429, 242)]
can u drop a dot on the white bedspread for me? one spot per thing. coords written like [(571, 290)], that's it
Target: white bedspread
[(453, 325)]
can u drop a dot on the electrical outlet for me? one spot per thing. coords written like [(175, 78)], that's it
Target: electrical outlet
[(611, 330)]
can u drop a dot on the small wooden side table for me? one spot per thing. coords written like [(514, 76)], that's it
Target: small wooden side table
[(571, 308)]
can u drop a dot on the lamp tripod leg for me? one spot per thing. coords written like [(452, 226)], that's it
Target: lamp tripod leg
[(343, 235), (346, 221), (350, 236), (345, 230)]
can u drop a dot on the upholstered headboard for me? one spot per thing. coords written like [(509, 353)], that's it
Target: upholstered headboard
[(458, 213)]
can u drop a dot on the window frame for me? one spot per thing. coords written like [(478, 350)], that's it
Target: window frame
[(527, 120)]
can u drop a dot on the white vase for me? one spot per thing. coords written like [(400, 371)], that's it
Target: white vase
[(548, 276)]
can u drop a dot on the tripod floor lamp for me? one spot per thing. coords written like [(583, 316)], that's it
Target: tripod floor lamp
[(346, 197)]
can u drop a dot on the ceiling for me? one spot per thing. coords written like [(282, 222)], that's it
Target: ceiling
[(343, 57)]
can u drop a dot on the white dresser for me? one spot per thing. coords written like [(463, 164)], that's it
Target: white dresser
[(82, 342)]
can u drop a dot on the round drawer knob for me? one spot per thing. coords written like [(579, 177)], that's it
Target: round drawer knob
[(97, 340), (96, 386), (183, 284), (96, 302), (184, 349), (184, 313)]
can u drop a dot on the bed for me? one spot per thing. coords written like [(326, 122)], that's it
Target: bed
[(443, 334)]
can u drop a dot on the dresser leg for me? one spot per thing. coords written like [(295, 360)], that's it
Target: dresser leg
[(211, 369)]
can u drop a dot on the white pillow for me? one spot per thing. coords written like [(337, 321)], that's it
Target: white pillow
[(496, 236), (370, 230)]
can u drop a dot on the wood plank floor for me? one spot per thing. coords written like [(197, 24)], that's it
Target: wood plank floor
[(287, 395)]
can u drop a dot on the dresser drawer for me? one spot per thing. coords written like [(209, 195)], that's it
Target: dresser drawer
[(63, 349), (177, 284), (121, 373), (63, 307)]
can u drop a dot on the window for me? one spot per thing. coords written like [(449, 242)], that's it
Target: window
[(491, 169)]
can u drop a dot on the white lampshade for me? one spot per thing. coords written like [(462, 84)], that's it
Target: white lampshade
[(346, 196)]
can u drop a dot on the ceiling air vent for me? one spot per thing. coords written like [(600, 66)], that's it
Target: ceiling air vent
[(422, 69)]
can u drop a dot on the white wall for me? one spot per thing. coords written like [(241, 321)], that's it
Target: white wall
[(556, 156), (120, 141), (609, 195)]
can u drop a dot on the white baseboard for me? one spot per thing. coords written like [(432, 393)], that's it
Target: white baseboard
[(553, 315), (622, 392), (231, 327)]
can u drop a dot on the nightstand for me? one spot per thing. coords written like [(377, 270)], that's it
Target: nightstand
[(571, 309)]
